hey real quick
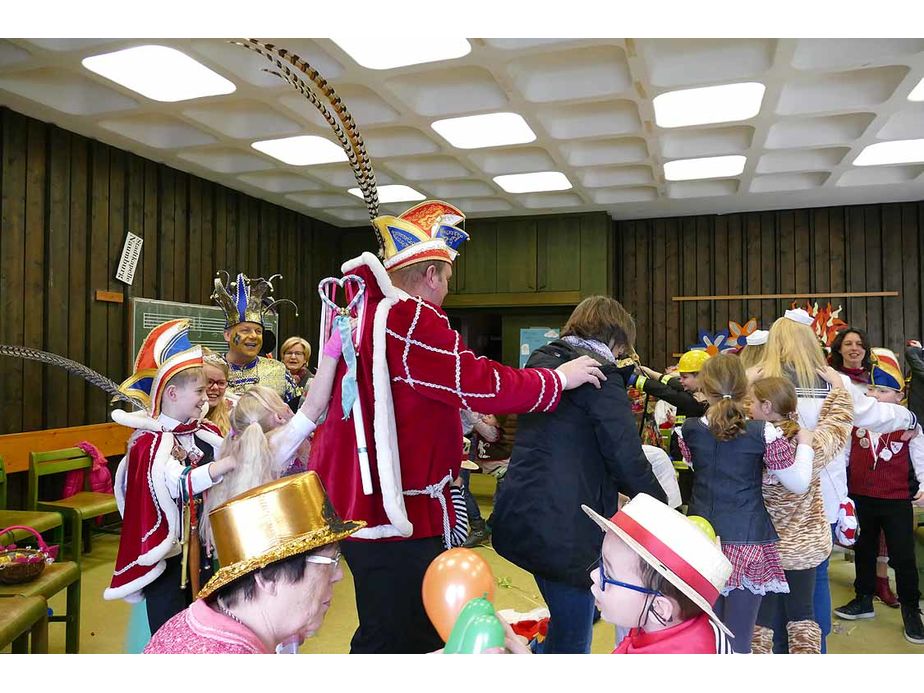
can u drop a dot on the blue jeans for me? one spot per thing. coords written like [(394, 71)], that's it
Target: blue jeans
[(571, 618)]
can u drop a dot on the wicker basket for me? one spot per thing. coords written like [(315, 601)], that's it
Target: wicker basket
[(23, 565)]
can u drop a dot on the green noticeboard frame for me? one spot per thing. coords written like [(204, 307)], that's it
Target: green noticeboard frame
[(207, 323)]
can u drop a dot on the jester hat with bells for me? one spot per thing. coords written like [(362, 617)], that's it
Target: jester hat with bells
[(246, 299)]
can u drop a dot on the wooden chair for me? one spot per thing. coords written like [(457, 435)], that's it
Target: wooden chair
[(39, 521), (54, 578), (80, 507), (20, 618)]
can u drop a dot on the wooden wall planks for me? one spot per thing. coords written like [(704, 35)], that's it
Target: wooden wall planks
[(851, 249), (66, 203)]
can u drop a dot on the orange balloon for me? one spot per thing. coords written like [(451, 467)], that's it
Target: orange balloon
[(453, 578)]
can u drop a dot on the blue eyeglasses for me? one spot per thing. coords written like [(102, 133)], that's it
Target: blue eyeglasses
[(604, 581)]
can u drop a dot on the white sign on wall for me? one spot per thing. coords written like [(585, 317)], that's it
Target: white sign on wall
[(131, 251)]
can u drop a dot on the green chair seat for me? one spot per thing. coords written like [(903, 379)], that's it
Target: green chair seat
[(39, 521), (19, 615), (86, 504), (55, 577)]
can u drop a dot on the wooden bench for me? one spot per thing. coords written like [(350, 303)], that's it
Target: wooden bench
[(76, 509), (109, 438), (54, 578), (39, 521), (20, 618)]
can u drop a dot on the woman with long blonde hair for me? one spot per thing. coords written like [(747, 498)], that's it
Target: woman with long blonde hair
[(794, 352)]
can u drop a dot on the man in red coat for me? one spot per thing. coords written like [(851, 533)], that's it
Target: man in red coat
[(413, 375)]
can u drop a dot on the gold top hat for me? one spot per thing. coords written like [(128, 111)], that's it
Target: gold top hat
[(272, 522)]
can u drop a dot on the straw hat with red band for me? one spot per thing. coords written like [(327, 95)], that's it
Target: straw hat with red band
[(674, 546)]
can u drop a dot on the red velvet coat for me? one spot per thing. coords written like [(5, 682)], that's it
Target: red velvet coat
[(414, 374)]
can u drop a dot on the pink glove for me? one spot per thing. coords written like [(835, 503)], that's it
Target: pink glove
[(334, 345)]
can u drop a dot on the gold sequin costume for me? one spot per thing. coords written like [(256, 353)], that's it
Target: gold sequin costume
[(265, 372)]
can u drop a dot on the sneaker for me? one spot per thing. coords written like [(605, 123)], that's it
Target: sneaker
[(885, 594), (914, 629), (477, 535), (859, 607)]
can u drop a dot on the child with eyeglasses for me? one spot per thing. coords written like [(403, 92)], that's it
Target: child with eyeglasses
[(659, 575)]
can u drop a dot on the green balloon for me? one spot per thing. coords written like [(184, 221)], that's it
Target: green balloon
[(484, 632), (479, 606)]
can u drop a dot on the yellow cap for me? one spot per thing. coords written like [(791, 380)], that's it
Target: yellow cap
[(692, 361)]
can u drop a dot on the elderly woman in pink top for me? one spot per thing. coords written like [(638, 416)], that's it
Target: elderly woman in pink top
[(262, 597)]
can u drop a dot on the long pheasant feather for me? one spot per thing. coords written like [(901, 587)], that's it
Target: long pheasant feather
[(73, 367)]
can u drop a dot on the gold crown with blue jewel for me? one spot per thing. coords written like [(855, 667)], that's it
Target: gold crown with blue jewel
[(430, 230)]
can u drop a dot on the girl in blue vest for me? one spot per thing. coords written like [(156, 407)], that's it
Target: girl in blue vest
[(728, 454)]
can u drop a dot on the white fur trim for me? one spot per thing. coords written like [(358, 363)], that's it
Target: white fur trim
[(136, 419), (388, 460), (378, 532), (120, 484), (417, 249), (131, 591), (378, 270), (166, 502)]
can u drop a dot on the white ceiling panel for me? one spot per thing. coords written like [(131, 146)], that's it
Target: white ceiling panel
[(588, 101)]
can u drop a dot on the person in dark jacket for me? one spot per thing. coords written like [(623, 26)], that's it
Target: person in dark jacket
[(586, 452)]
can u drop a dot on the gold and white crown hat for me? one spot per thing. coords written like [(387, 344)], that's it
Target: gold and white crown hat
[(674, 546)]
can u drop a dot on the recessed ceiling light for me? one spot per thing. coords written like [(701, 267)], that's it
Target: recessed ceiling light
[(402, 52), (159, 73), (708, 167), (392, 193), (303, 150), (917, 94), (895, 152), (489, 130), (722, 104), (533, 182)]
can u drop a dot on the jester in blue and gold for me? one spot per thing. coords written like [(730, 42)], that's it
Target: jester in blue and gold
[(245, 302)]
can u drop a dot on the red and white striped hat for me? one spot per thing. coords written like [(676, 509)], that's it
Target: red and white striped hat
[(675, 547)]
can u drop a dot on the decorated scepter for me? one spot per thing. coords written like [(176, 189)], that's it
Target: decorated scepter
[(333, 317)]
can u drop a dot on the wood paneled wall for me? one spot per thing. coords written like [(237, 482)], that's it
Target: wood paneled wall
[(66, 203), (867, 248)]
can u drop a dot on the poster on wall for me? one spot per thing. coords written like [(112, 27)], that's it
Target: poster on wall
[(531, 338)]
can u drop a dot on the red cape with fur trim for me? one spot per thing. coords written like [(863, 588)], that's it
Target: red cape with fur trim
[(414, 374), (150, 516)]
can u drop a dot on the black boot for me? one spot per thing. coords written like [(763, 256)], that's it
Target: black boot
[(478, 534), (860, 607), (914, 629)]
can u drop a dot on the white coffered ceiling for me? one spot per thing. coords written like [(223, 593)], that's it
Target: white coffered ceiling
[(589, 101)]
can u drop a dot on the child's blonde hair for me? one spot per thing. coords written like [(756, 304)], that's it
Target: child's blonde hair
[(253, 420), (752, 355), (220, 413), (794, 345), (722, 379), (782, 397)]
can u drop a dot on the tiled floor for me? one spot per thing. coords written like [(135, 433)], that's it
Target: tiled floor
[(104, 624)]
